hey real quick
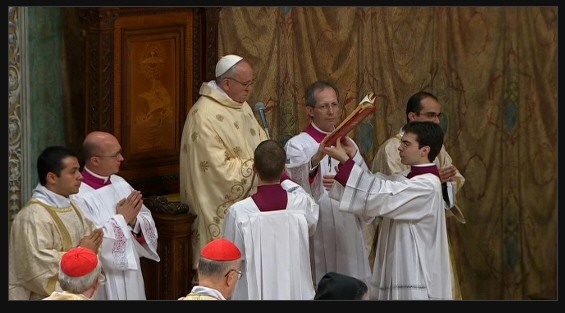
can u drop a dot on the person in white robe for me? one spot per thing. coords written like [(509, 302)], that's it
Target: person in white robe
[(110, 202), (47, 226), (422, 106), (217, 144), (412, 258), (338, 243), (272, 229)]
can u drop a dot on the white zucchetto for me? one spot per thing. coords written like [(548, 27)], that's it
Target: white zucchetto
[(226, 62)]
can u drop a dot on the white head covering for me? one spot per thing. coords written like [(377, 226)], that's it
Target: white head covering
[(226, 62)]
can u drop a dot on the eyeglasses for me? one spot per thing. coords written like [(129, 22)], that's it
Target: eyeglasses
[(326, 107), (102, 278), (239, 273), (405, 143), (430, 115), (115, 156), (246, 85)]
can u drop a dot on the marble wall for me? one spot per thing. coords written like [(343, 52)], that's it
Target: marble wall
[(35, 95)]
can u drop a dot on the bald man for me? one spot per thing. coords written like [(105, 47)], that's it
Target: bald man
[(110, 202)]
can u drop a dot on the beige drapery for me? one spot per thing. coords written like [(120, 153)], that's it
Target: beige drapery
[(494, 70)]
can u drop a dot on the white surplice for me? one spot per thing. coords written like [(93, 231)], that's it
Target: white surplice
[(412, 258), (338, 243), (120, 252), (387, 161), (275, 245)]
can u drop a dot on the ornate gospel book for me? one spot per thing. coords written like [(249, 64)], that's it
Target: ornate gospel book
[(367, 106)]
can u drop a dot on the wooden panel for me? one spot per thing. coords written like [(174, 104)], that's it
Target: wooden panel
[(152, 89), (144, 69)]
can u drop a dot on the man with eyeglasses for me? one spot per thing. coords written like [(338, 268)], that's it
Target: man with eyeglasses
[(80, 275), (219, 270), (216, 153), (111, 203), (337, 245), (422, 106), (47, 226), (412, 260)]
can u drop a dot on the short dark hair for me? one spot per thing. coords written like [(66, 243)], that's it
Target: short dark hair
[(336, 286), (319, 85), (427, 134), (414, 104), (51, 160), (270, 159)]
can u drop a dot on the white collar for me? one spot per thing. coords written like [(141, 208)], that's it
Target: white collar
[(321, 131), (50, 198), (202, 290), (212, 84)]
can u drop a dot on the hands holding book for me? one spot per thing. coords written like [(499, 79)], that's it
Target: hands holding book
[(367, 106), (342, 151), (318, 156)]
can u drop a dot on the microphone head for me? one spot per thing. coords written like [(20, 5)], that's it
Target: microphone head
[(260, 106)]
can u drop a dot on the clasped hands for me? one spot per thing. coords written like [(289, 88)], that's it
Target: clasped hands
[(130, 207), (92, 241)]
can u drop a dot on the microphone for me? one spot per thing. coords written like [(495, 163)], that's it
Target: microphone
[(260, 107)]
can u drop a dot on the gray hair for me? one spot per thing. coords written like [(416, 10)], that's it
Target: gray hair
[(212, 268), (318, 85), (78, 285)]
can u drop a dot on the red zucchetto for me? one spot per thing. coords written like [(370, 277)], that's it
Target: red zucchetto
[(78, 262), (221, 250)]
